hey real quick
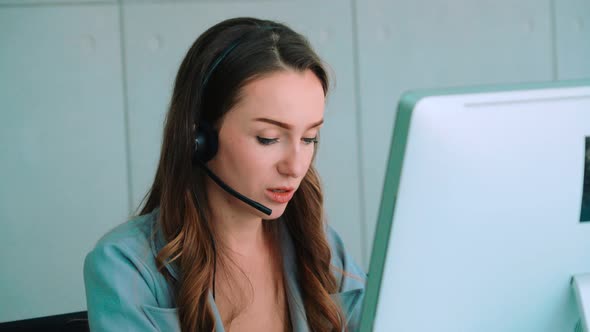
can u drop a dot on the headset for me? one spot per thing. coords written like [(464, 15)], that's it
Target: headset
[(206, 142)]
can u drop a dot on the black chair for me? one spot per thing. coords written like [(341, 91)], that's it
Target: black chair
[(70, 322)]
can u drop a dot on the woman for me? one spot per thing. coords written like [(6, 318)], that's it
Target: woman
[(232, 234)]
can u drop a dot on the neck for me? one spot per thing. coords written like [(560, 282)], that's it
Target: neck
[(236, 227)]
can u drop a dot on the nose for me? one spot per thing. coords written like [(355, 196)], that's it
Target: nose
[(295, 162)]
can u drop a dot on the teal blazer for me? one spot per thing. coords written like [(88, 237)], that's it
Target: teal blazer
[(125, 291)]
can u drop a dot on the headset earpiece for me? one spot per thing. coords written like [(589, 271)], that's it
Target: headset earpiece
[(206, 143)]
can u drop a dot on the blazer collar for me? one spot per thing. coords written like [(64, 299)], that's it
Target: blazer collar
[(158, 242)]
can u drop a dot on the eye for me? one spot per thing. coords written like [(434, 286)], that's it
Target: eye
[(310, 140), (266, 141)]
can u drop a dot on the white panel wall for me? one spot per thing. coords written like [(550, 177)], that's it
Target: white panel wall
[(63, 178), (426, 43), (572, 19)]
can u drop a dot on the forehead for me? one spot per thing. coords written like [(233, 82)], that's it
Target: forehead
[(296, 98)]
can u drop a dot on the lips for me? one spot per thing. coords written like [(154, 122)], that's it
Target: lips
[(280, 194)]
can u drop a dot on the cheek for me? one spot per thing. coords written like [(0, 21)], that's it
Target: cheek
[(248, 159)]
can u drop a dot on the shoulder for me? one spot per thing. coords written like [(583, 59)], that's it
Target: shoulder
[(124, 289), (129, 242), (351, 278), (133, 234), (125, 253), (350, 274)]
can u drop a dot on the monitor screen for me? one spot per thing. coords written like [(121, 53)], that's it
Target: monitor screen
[(484, 215)]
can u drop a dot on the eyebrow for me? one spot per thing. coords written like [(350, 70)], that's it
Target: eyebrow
[(285, 125)]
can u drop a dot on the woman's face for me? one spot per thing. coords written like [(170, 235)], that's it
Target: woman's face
[(266, 141)]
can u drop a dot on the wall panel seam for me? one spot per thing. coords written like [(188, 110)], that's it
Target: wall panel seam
[(125, 108), (359, 128)]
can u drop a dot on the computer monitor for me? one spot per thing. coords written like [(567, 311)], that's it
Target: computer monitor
[(483, 218)]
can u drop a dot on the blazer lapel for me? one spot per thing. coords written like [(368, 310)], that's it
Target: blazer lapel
[(350, 296), (350, 302), (157, 244), (218, 322), (294, 298)]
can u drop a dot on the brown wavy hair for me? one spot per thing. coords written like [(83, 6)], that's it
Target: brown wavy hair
[(230, 54)]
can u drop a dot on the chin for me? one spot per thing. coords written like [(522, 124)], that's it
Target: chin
[(277, 212)]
